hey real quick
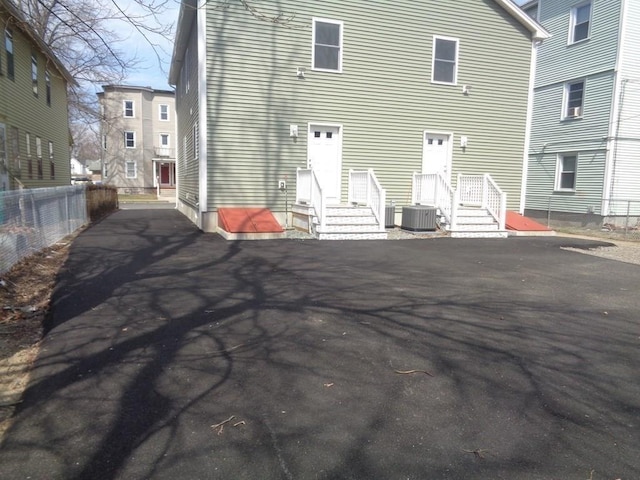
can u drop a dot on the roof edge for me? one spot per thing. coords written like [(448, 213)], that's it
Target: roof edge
[(538, 32)]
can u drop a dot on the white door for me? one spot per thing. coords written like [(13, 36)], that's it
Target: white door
[(325, 146), (436, 152)]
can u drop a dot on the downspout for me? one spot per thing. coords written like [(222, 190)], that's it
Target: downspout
[(528, 126), (614, 152), (616, 111), (203, 189)]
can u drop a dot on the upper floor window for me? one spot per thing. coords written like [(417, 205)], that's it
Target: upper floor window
[(445, 60), (34, 73), (566, 172), (127, 106), (130, 139), (532, 11), (327, 45), (27, 139), (47, 82), (8, 46), (164, 112), (185, 71), (580, 22), (164, 139), (574, 99)]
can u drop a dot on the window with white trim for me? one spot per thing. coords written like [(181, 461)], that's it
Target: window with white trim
[(580, 23), (445, 60), (27, 139), (127, 107), (164, 112), (164, 139), (34, 73), (47, 83), (52, 164), (196, 140), (8, 46), (566, 172), (130, 139), (327, 45), (130, 169), (573, 99), (39, 156)]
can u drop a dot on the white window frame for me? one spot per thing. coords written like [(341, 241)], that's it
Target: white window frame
[(560, 170), (124, 109), (160, 112), (196, 140), (168, 137), (126, 140), (313, 45), (573, 24), (566, 114), (433, 60), (135, 169)]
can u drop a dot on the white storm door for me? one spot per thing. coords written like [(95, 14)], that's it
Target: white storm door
[(325, 147), (436, 152)]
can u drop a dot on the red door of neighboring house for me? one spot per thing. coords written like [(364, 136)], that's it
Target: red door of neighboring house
[(165, 175)]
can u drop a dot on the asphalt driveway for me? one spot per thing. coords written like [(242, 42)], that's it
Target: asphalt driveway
[(291, 350)]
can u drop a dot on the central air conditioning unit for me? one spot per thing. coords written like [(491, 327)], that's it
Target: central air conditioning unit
[(575, 112), (419, 218)]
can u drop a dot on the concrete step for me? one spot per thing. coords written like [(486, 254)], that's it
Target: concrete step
[(476, 220), (347, 211), (351, 220), (352, 236), (349, 227), (470, 227), (479, 234)]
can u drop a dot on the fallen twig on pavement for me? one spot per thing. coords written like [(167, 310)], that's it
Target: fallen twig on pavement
[(409, 372)]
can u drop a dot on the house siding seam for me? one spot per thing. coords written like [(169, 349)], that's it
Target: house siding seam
[(383, 97)]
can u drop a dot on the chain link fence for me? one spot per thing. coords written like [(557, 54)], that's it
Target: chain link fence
[(621, 223), (33, 219)]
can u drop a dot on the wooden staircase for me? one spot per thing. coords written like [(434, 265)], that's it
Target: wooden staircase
[(345, 222), (476, 222)]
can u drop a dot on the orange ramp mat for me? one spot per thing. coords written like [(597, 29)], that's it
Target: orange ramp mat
[(248, 220), (518, 222)]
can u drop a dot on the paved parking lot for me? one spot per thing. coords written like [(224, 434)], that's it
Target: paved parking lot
[(173, 354)]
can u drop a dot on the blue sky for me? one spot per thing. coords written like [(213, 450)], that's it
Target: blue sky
[(150, 71)]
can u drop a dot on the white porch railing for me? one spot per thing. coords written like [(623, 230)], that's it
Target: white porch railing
[(364, 188), (482, 191), (433, 189), (309, 191)]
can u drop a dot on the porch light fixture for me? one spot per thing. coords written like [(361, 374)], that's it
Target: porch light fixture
[(464, 141), (301, 72), (466, 89), (293, 131)]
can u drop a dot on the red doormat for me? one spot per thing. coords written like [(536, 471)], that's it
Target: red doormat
[(517, 222), (248, 220)]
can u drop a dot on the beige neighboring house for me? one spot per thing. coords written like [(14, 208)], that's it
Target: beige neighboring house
[(138, 139), (34, 119)]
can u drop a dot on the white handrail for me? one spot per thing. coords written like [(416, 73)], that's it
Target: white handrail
[(433, 189), (309, 191), (482, 191), (365, 188)]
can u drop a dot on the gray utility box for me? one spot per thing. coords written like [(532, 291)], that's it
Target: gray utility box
[(419, 218), (389, 216)]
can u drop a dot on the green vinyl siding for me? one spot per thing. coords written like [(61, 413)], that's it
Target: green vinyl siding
[(383, 99), (21, 109), (187, 168), (558, 61)]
